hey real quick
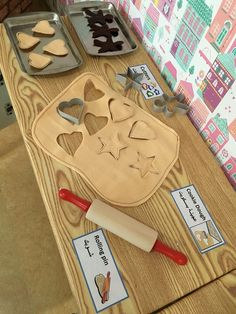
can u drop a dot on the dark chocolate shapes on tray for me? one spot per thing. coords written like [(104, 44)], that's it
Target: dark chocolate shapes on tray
[(97, 22), (98, 17), (108, 45), (104, 31)]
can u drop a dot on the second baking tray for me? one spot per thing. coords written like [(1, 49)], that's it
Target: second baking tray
[(77, 17), (24, 23)]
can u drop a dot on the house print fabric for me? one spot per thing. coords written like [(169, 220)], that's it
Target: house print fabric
[(193, 42), (195, 20)]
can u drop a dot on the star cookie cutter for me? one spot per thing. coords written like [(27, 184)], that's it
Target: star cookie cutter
[(161, 104), (130, 79), (68, 104)]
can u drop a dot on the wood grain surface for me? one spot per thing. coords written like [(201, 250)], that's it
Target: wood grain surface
[(218, 297), (152, 280)]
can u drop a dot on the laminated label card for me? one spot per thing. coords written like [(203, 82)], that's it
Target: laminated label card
[(202, 227), (150, 87), (99, 269)]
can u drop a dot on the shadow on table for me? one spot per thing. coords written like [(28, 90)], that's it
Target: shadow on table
[(32, 277)]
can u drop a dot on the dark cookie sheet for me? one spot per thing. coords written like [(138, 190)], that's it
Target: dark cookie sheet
[(98, 22), (100, 27)]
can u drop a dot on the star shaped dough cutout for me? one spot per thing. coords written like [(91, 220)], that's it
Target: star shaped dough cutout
[(145, 165), (112, 145)]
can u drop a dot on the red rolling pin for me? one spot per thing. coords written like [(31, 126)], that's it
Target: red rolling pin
[(123, 226)]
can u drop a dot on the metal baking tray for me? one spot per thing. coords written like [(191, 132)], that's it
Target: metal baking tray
[(25, 23), (77, 17)]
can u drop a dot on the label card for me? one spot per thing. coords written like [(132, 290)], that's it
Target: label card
[(150, 87), (99, 269), (202, 227)]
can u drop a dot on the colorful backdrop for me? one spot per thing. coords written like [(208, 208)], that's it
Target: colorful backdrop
[(193, 42)]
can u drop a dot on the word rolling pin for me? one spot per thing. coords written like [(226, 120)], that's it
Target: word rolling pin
[(123, 226)]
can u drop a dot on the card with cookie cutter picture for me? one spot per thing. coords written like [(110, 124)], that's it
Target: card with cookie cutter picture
[(42, 43), (123, 152)]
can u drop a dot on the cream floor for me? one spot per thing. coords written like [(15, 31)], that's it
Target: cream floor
[(32, 278)]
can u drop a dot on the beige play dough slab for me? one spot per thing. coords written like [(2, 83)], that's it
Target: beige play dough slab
[(43, 27), (125, 160), (26, 41), (39, 61), (56, 47)]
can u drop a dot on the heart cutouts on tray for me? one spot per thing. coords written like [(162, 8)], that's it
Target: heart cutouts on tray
[(38, 61), (94, 124), (43, 27), (91, 93), (119, 112), (26, 41), (56, 47), (70, 142), (142, 131)]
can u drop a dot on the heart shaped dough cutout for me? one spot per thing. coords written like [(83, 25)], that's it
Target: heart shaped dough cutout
[(43, 27), (120, 112), (70, 142), (38, 61), (56, 47), (141, 130), (26, 41), (94, 123), (91, 93)]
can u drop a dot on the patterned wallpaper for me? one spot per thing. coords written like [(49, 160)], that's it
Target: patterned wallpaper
[(193, 42)]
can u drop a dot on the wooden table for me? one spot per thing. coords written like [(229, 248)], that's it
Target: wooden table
[(152, 280), (218, 296)]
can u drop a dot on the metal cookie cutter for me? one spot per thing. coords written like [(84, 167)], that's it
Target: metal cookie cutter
[(68, 104), (161, 105), (130, 79)]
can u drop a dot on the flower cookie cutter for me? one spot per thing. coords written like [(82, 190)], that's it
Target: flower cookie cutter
[(161, 104), (68, 104)]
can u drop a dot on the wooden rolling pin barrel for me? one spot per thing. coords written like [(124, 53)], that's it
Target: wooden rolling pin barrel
[(123, 226)]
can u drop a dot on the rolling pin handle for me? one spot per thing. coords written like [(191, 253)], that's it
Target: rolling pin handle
[(76, 200), (176, 256)]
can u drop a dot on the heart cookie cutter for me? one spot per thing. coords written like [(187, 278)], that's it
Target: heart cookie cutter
[(68, 104), (161, 105)]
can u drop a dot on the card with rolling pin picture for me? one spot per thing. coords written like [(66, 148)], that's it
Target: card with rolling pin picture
[(100, 270)]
